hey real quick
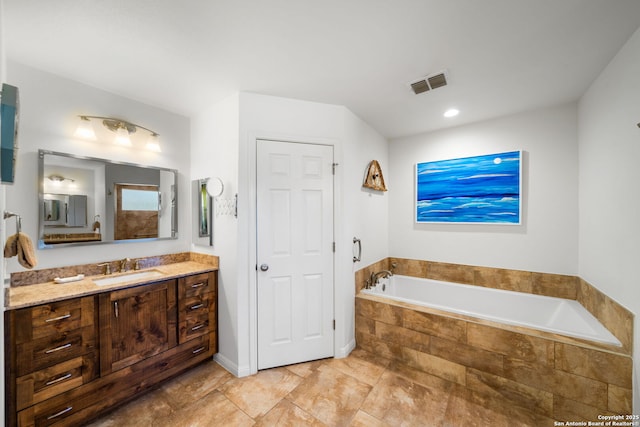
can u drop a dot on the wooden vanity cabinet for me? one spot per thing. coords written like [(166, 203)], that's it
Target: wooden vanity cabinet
[(197, 307), (136, 323), (68, 361)]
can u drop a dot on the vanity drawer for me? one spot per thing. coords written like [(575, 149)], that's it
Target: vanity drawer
[(46, 383), (54, 318), (197, 284), (194, 326), (50, 350), (196, 304)]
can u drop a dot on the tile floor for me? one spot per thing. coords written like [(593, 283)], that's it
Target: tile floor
[(360, 390)]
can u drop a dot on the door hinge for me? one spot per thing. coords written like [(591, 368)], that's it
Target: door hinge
[(334, 246), (333, 167), (334, 324)]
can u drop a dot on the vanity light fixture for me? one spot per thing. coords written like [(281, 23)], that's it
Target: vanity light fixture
[(122, 128), (59, 178)]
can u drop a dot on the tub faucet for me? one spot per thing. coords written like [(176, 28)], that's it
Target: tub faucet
[(373, 281), (123, 264)]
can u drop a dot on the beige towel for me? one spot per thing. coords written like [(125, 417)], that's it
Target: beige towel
[(96, 225), (11, 247), (20, 245)]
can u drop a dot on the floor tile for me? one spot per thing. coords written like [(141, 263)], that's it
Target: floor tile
[(139, 412), (400, 402), (307, 368), (286, 414), (212, 410), (362, 419), (359, 368), (462, 412), (330, 395), (257, 394), (362, 390), (195, 384)]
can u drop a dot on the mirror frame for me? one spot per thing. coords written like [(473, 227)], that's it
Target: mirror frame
[(41, 225)]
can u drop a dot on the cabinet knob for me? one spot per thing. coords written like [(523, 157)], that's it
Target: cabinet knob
[(264, 267)]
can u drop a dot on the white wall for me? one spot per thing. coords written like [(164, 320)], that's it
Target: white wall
[(214, 153), (547, 239), (609, 146), (49, 106), (3, 234), (258, 116)]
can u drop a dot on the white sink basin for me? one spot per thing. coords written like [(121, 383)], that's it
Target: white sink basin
[(128, 277)]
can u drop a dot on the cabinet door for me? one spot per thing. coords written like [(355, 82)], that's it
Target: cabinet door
[(136, 323)]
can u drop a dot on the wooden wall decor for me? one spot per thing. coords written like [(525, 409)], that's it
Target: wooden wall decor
[(374, 178)]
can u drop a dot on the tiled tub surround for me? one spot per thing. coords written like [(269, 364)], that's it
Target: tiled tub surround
[(36, 287), (552, 376)]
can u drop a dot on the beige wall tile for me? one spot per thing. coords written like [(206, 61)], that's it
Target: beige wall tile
[(365, 325), (567, 409), (420, 377), (435, 325), (612, 315), (555, 285), (373, 345), (467, 355), (511, 280), (403, 337), (606, 367), (433, 365), (575, 387), (457, 273), (497, 387), (379, 311), (409, 267), (519, 346), (620, 400)]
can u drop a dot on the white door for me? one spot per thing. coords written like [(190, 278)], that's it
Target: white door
[(294, 252)]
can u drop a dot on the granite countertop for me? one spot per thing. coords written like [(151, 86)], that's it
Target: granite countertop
[(42, 293)]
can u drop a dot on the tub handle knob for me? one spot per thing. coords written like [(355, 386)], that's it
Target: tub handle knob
[(264, 267)]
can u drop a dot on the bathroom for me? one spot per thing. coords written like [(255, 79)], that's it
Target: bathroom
[(567, 228)]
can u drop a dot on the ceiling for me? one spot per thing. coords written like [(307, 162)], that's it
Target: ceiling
[(501, 56)]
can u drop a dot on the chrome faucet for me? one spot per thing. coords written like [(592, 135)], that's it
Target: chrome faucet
[(123, 264), (375, 277), (107, 267)]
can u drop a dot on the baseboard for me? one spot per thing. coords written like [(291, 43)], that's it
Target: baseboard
[(232, 367), (346, 350)]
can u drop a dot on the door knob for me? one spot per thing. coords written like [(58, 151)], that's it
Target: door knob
[(264, 267)]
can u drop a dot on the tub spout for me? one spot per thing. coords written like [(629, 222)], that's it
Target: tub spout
[(376, 276)]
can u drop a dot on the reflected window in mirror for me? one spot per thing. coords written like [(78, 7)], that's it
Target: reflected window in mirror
[(128, 202)]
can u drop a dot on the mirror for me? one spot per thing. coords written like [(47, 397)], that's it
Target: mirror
[(85, 200), (65, 210)]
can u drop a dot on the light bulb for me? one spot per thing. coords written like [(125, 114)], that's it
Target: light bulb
[(122, 136), (85, 129), (153, 144)]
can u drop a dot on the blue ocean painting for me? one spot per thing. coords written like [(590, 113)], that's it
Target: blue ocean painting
[(481, 189)]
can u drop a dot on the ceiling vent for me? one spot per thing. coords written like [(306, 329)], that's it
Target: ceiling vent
[(430, 82)]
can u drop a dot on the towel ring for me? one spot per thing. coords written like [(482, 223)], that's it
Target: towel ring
[(8, 214)]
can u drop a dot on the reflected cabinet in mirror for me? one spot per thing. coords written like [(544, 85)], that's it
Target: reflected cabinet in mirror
[(85, 200)]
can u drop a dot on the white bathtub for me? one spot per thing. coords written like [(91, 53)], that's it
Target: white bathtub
[(556, 315)]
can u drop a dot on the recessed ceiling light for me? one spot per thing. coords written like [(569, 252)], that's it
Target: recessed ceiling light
[(451, 112)]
